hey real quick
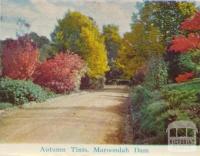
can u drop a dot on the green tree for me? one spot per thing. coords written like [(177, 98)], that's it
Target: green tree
[(45, 46), (38, 40), (79, 33), (166, 15), (157, 73)]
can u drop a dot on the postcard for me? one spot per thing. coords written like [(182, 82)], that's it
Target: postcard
[(99, 77)]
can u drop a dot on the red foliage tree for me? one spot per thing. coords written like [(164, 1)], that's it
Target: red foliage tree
[(184, 77), (192, 41), (182, 44), (60, 73), (20, 58), (192, 24)]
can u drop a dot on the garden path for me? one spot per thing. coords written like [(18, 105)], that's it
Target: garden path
[(87, 117)]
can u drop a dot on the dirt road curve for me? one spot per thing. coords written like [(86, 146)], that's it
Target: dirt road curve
[(87, 117)]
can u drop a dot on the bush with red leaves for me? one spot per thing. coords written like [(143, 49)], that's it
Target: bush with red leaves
[(60, 74), (182, 44), (184, 77), (20, 58), (192, 24), (186, 43)]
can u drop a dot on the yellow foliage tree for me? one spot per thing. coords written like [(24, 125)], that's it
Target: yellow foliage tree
[(95, 57), (138, 46), (79, 33)]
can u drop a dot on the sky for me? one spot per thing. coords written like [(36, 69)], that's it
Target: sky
[(42, 15)]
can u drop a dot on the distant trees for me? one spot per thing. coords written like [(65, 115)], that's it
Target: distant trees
[(38, 40), (79, 33), (139, 46), (113, 43), (44, 45)]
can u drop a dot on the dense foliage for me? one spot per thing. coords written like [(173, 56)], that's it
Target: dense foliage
[(182, 44), (113, 44), (155, 103), (60, 74), (166, 15), (157, 73), (92, 83), (135, 52), (192, 24), (187, 48), (19, 92), (112, 41), (153, 111), (4, 105), (184, 77), (19, 58), (44, 45), (79, 33)]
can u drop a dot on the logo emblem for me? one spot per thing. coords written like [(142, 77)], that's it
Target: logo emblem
[(182, 133)]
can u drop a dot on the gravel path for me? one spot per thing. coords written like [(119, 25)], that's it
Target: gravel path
[(87, 117)]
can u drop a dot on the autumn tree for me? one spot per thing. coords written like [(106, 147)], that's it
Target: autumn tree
[(166, 15), (138, 46), (80, 34), (156, 23), (187, 47), (19, 58)]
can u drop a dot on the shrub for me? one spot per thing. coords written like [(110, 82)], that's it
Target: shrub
[(61, 74), (20, 58), (184, 77), (140, 96), (189, 62), (112, 75), (180, 97), (139, 77), (152, 111), (4, 105), (92, 83), (195, 55), (19, 92), (149, 115), (157, 73), (185, 62)]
